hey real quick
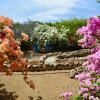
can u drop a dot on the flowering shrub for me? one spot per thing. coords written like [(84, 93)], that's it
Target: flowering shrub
[(11, 56), (44, 33), (90, 78), (50, 37)]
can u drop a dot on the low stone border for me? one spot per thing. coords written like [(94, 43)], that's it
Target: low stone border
[(56, 60)]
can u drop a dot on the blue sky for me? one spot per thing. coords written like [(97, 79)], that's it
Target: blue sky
[(48, 10)]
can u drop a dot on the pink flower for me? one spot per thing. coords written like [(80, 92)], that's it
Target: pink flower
[(83, 76), (89, 78), (83, 90), (66, 95), (93, 98), (89, 32), (85, 95), (98, 88), (88, 82)]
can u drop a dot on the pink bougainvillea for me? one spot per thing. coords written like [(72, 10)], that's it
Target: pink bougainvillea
[(90, 79), (67, 95)]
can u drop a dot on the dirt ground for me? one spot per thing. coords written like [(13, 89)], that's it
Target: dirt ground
[(49, 86)]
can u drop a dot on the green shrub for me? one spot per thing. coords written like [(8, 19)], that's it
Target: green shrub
[(62, 34), (44, 34), (72, 25), (26, 45)]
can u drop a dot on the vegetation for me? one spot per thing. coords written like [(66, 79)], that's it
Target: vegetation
[(89, 79), (67, 43), (48, 37), (11, 56)]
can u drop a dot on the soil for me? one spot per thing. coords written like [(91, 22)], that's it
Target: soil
[(49, 85)]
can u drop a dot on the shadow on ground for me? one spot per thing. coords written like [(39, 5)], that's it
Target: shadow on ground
[(5, 95)]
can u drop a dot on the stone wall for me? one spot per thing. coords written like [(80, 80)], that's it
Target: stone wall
[(56, 60)]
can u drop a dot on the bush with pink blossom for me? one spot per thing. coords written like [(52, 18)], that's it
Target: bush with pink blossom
[(90, 79)]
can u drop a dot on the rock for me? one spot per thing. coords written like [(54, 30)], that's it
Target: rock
[(57, 60), (75, 71), (72, 73), (79, 69), (42, 58), (77, 53), (51, 60)]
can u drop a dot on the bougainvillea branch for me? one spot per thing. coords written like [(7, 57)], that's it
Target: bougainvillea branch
[(11, 56), (90, 79)]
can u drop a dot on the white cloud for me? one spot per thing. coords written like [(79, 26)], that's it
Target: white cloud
[(53, 9), (48, 10), (55, 3), (52, 14), (41, 10)]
